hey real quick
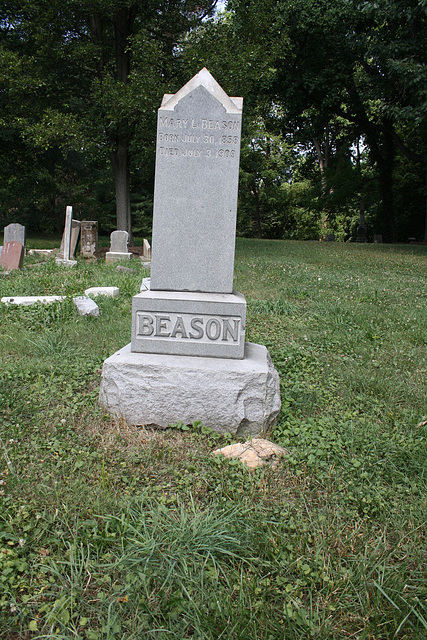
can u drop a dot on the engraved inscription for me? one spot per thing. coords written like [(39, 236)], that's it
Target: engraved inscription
[(165, 151), (168, 137), (184, 123), (187, 326), (198, 138)]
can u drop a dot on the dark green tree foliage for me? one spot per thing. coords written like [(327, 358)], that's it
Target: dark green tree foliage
[(94, 74), (335, 118), (358, 65)]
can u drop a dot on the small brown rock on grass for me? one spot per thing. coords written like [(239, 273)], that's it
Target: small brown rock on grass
[(254, 453)]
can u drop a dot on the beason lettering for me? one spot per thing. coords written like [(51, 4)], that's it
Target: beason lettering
[(187, 327)]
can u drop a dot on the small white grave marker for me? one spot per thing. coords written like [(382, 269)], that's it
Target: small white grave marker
[(28, 300)]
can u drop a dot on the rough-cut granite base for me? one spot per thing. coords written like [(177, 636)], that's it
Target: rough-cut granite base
[(237, 396)]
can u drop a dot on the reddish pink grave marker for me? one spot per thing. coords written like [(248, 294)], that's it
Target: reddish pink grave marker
[(12, 255)]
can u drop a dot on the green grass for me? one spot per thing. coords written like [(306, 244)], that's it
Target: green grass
[(108, 531)]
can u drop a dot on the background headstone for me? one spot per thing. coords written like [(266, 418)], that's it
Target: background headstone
[(88, 238), (195, 192), (146, 250), (75, 231), (118, 247), (14, 232), (42, 252), (123, 269), (69, 239), (119, 241), (12, 255), (66, 237)]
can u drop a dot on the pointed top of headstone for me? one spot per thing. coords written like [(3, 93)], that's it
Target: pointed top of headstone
[(206, 80)]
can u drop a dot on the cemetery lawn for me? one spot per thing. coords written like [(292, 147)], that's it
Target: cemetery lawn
[(115, 532)]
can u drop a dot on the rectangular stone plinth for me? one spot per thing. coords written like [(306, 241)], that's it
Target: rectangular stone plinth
[(115, 256), (237, 396), (190, 324)]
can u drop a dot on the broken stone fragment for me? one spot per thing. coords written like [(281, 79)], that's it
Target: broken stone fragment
[(110, 292), (86, 306), (120, 267)]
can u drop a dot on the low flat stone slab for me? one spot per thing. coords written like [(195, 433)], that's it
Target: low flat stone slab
[(65, 263), (42, 252), (114, 256), (254, 453), (27, 300), (111, 292), (237, 396), (86, 306), (123, 269)]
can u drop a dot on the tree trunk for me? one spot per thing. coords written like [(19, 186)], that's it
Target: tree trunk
[(256, 218), (323, 164), (385, 163), (323, 161), (120, 164), (123, 23), (425, 231)]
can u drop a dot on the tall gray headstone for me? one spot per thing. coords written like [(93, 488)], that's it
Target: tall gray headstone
[(67, 232), (191, 308), (188, 359), (195, 192), (14, 232), (69, 239)]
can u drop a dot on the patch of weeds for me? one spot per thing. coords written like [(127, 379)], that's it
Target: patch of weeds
[(274, 307), (197, 427), (52, 344), (39, 316)]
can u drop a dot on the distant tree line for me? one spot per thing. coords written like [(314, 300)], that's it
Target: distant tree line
[(335, 112)]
